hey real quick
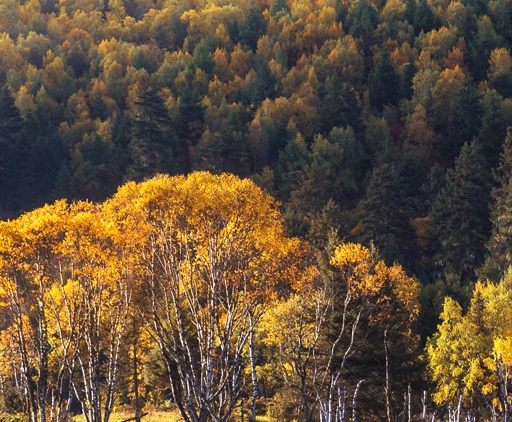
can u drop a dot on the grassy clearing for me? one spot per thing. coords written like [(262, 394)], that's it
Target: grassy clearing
[(160, 415), (153, 415)]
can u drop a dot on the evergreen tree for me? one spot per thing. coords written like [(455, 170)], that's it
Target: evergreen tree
[(429, 190), (484, 41), (63, 184), (499, 247), (385, 218), (423, 18), (292, 160), (10, 119), (276, 6), (93, 176), (219, 152), (339, 106), (151, 140), (460, 214), (252, 28), (493, 128), (383, 83), (10, 128), (203, 55), (189, 121), (363, 20)]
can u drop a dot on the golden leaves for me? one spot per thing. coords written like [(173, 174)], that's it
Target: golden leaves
[(464, 353), (359, 268), (369, 278)]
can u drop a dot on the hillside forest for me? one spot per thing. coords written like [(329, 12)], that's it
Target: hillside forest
[(297, 208)]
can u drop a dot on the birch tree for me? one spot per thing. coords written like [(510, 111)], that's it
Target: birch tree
[(32, 271), (210, 249), (319, 329), (99, 296)]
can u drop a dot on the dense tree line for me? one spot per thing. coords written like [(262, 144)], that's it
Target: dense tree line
[(319, 103), (190, 288), (384, 124)]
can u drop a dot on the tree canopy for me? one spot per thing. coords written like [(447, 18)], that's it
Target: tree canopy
[(379, 124)]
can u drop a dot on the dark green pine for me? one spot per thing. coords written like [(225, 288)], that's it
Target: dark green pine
[(460, 215), (11, 122), (383, 83), (499, 247), (11, 125), (385, 218), (151, 140)]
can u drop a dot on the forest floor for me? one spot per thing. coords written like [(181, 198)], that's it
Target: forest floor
[(162, 415), (153, 415)]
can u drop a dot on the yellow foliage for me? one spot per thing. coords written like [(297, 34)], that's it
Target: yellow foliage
[(371, 279), (439, 42), (359, 268), (463, 353), (500, 62)]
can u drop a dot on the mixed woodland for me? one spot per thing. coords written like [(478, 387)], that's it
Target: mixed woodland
[(298, 208)]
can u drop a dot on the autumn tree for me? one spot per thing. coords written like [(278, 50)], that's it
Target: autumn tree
[(469, 355), (210, 249), (420, 139), (318, 331), (500, 65), (100, 293), (64, 289), (30, 258)]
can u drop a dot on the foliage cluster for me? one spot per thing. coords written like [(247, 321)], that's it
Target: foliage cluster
[(382, 123), (187, 288), (310, 99), (348, 112)]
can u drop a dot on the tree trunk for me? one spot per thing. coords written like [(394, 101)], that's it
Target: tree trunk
[(354, 400), (424, 403), (136, 399), (502, 389), (387, 387), (254, 378)]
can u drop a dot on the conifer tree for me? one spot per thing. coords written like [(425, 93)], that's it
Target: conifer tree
[(383, 82), (10, 119), (385, 219), (460, 214), (150, 145), (10, 127), (499, 246), (423, 18), (493, 128)]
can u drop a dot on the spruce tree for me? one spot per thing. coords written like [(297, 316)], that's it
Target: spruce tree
[(460, 215), (151, 140), (10, 119), (10, 128), (383, 82), (385, 218), (499, 246)]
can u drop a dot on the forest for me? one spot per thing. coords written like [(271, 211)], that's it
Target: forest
[(292, 208)]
